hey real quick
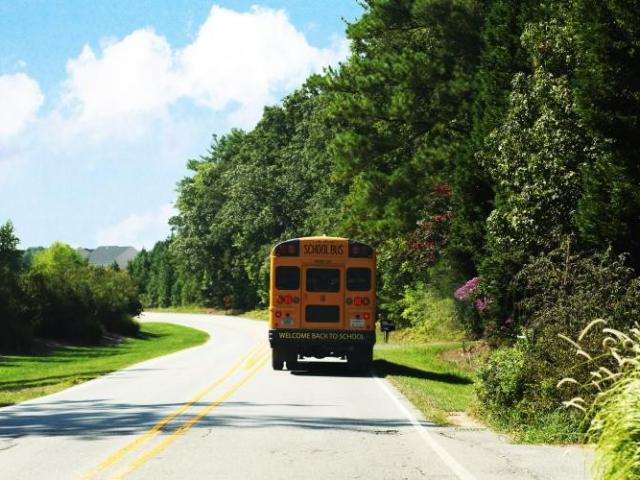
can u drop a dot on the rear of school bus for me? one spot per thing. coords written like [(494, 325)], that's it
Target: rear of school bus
[(322, 301)]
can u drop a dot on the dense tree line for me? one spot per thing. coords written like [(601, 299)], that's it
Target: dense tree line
[(484, 147), (55, 294)]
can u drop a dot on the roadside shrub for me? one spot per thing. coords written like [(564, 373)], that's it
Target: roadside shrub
[(115, 300), (472, 306), (433, 317), (395, 273), (558, 293), (502, 379), (504, 392), (77, 302), (63, 306)]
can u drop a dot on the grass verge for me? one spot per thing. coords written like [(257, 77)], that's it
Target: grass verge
[(28, 376), (185, 309), (436, 386), (258, 314)]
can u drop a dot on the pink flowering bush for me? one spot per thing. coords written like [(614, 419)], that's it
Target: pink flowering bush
[(468, 290), (471, 305), (481, 304)]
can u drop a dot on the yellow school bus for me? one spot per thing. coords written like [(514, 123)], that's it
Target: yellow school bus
[(322, 301)]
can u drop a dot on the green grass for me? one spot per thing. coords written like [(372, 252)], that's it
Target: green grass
[(259, 314), (28, 376), (185, 309), (435, 386)]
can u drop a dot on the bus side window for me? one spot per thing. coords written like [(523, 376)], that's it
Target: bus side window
[(287, 278), (358, 279)]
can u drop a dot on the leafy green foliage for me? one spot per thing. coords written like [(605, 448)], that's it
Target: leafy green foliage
[(16, 328), (503, 379), (504, 389), (559, 293), (78, 302), (56, 294), (432, 317), (402, 104), (607, 35), (252, 190)]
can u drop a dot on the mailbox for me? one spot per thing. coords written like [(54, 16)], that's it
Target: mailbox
[(387, 326)]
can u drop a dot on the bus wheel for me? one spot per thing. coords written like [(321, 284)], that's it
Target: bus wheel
[(292, 362), (367, 356), (277, 361), (361, 360)]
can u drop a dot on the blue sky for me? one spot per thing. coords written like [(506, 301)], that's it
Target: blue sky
[(103, 102)]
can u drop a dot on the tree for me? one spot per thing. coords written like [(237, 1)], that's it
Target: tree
[(503, 56), (402, 104), (251, 191), (607, 87), (16, 329), (535, 160)]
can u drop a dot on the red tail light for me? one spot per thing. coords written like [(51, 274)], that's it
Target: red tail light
[(279, 299), (366, 315), (357, 300), (288, 299), (278, 314)]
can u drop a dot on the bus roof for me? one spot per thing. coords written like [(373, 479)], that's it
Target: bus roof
[(320, 238)]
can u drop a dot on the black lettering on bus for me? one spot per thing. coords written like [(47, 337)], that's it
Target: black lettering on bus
[(323, 249)]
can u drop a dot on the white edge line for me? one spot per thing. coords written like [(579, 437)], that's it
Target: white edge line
[(461, 472)]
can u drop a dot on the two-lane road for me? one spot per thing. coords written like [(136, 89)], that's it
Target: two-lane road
[(219, 411)]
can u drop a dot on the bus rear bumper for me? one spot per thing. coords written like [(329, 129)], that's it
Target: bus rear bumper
[(321, 343), (323, 337)]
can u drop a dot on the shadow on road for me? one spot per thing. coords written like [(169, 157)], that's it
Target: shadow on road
[(384, 368), (381, 367), (328, 369), (98, 418)]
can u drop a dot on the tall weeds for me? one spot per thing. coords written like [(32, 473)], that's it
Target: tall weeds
[(615, 409)]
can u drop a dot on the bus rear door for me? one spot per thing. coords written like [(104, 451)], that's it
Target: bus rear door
[(323, 297)]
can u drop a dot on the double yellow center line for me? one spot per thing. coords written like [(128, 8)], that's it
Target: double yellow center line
[(251, 362)]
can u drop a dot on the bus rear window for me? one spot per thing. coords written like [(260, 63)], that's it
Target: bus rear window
[(359, 279), (287, 278), (323, 280), (322, 313)]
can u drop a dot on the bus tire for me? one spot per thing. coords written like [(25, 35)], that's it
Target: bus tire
[(367, 356), (292, 361), (277, 362), (361, 360)]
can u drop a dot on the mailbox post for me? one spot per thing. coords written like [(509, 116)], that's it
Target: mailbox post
[(387, 326)]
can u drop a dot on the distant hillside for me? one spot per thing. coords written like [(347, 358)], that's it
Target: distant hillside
[(105, 256)]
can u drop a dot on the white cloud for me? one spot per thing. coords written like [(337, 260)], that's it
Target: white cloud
[(20, 99), (134, 75), (138, 230), (237, 61), (245, 57)]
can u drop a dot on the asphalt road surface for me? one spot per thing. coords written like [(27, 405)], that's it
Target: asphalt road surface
[(218, 411)]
